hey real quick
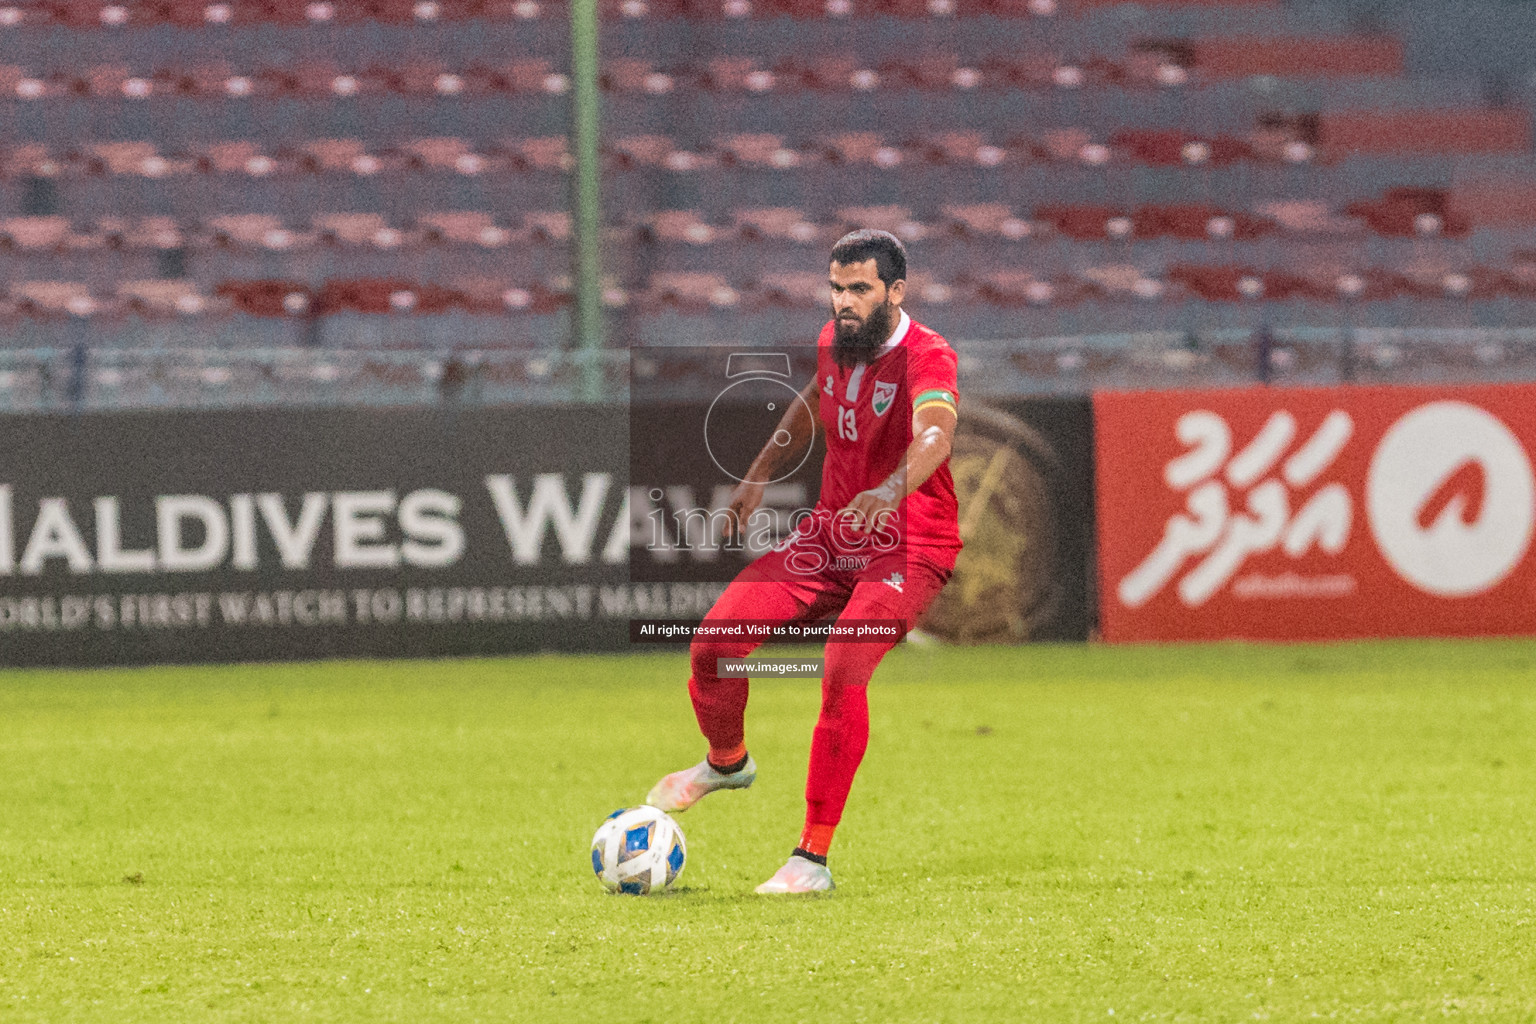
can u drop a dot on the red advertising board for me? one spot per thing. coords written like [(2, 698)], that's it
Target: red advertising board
[(1304, 514)]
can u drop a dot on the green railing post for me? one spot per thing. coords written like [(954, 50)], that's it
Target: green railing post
[(587, 199)]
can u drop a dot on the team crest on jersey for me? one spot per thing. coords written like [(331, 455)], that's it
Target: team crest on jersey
[(884, 395)]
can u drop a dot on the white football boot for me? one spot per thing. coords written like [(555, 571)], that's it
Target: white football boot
[(799, 875), (681, 790)]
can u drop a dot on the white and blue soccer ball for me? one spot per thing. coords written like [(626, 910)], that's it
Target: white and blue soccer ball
[(638, 850)]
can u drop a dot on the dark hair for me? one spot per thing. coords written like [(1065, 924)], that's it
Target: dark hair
[(884, 248)]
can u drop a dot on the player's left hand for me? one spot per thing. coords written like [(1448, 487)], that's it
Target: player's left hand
[(870, 508)]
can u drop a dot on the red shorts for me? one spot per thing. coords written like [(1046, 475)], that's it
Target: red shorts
[(898, 585)]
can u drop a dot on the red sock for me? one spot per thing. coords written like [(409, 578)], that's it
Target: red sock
[(842, 734), (736, 755), (720, 705), (817, 839)]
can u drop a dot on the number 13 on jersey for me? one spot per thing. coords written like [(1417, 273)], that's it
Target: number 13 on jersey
[(847, 426)]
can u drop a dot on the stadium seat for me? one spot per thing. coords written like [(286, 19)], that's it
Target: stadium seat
[(861, 148), (781, 223), (34, 232), (163, 299), (352, 228), (689, 292), (656, 151), (1410, 212), (959, 148), (464, 227), (103, 15), (1086, 223), (756, 150), (271, 298), (1217, 284), (1021, 288), (1448, 132), (548, 226), (39, 298), (986, 220), (1293, 57), (1122, 282), (1084, 5), (897, 220), (1306, 217), (1497, 202), (685, 227), (795, 289)]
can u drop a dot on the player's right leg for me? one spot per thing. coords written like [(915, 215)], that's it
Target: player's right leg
[(720, 702)]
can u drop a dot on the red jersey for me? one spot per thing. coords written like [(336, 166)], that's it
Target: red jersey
[(866, 415)]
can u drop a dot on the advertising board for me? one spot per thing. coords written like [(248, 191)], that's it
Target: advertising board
[(276, 534), (1294, 514), (158, 537)]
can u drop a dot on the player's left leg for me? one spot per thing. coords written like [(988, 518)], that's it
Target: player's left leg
[(842, 729), (764, 593), (720, 702)]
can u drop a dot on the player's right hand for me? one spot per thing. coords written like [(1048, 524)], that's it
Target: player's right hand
[(744, 500)]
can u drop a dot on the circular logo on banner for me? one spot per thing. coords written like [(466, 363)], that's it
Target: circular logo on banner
[(1451, 499)]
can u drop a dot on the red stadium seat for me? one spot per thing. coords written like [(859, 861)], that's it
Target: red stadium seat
[(1090, 4), (761, 150), (1281, 285), (830, 73), (1217, 284), (163, 299), (1122, 282), (861, 148), (271, 298), (1306, 216), (542, 154), (350, 228), (548, 227), (797, 289), (1497, 202), (256, 230), (1022, 288), (690, 292), (962, 147), (1160, 148), (784, 223), (54, 298), (895, 219), (681, 226), (986, 220), (624, 75), (1219, 57), (463, 227), (1381, 132), (368, 295), (744, 74), (34, 232), (1198, 222), (1088, 223), (1410, 212)]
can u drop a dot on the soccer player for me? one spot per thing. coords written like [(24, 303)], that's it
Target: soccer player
[(880, 544)]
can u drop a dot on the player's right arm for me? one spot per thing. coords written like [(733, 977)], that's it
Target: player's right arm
[(791, 439)]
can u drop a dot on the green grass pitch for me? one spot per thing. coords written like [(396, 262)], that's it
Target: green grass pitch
[(1050, 834)]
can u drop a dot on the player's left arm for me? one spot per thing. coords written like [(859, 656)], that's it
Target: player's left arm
[(933, 435)]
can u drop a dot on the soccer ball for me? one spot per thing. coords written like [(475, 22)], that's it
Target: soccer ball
[(638, 850)]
